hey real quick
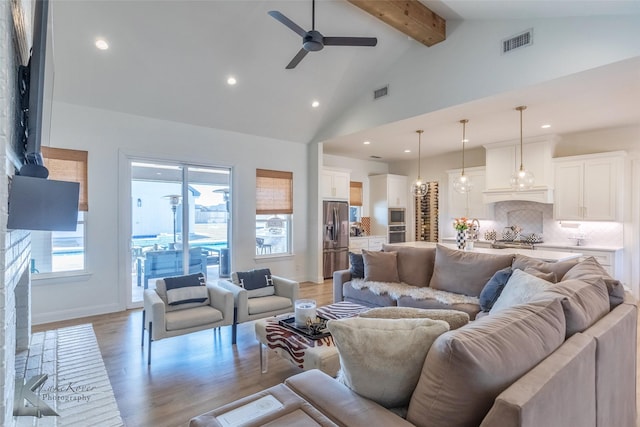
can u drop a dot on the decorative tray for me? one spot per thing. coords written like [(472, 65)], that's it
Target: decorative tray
[(314, 333)]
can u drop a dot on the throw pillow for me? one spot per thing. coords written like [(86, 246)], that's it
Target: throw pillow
[(463, 272), (559, 268), (381, 359), (591, 267), (549, 277), (380, 266), (454, 318), (415, 265), (584, 302), (520, 289), (466, 369), (357, 265), (258, 283), (186, 289), (493, 288)]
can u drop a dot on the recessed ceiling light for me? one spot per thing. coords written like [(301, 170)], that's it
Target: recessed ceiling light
[(367, 142), (465, 140), (231, 81), (102, 44), (407, 151), (545, 126), (315, 104)]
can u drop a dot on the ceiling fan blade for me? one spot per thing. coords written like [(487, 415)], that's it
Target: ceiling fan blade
[(288, 22), (350, 41), (296, 59)]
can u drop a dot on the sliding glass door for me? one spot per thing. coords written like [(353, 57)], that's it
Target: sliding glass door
[(180, 222)]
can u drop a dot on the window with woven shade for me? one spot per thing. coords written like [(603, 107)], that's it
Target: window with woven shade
[(355, 193), (274, 209), (62, 252), (68, 165)]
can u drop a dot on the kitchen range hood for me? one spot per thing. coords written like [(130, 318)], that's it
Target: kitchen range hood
[(539, 195)]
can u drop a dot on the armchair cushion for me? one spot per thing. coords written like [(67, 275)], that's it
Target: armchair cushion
[(258, 283), (268, 304), (197, 316), (161, 290), (187, 289)]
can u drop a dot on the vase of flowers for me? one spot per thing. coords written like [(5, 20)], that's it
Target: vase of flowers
[(461, 225)]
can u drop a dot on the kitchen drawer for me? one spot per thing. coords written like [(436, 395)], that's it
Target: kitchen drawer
[(604, 258), (375, 244)]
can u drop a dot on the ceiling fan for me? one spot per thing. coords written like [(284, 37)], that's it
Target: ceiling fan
[(313, 40)]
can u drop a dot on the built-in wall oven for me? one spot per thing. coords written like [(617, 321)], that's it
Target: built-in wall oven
[(396, 216), (397, 234)]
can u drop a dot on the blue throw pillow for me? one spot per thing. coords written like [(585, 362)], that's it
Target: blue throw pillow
[(357, 266), (493, 288)]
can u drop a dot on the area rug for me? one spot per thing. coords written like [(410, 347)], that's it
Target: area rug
[(78, 386)]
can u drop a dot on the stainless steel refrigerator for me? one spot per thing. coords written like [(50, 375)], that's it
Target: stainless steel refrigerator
[(335, 241)]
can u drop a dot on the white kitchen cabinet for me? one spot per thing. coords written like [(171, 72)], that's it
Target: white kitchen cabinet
[(335, 184), (503, 160), (610, 259), (471, 204), (386, 191), (369, 243), (589, 187)]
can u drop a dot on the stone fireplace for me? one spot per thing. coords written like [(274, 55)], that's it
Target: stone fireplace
[(15, 246)]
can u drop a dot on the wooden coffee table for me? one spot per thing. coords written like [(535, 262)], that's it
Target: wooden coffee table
[(300, 350)]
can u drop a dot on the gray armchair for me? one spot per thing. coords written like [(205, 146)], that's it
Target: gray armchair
[(249, 307), (163, 320)]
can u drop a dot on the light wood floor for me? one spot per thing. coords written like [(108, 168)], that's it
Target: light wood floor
[(190, 374)]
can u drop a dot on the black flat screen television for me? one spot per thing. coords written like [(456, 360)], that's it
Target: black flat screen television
[(43, 204)]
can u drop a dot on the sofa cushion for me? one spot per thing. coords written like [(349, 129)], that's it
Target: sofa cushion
[(520, 288), (470, 308), (380, 266), (493, 288), (521, 262), (467, 368), (415, 265), (591, 267), (465, 272), (365, 296), (549, 277), (584, 301), (258, 283), (454, 318), (357, 265), (381, 359)]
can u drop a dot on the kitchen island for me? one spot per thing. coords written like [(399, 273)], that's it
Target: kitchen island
[(544, 255)]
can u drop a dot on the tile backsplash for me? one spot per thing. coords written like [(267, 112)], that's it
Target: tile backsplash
[(538, 218)]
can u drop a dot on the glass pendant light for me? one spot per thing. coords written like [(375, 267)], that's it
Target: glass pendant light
[(419, 187), (522, 179), (463, 184)]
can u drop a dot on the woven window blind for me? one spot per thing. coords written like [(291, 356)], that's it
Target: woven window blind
[(355, 193), (274, 192), (68, 165)]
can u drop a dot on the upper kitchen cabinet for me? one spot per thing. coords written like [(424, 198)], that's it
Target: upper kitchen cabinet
[(503, 160), (471, 204), (386, 191), (335, 184), (589, 187), (392, 189)]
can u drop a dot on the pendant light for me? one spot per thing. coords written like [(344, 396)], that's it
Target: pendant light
[(463, 184), (419, 187), (522, 179)]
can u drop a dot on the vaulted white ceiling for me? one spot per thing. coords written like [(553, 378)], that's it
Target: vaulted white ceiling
[(170, 60)]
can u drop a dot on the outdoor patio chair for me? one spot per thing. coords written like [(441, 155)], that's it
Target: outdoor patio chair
[(184, 304)]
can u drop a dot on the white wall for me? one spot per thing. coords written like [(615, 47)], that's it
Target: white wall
[(109, 138), (469, 66)]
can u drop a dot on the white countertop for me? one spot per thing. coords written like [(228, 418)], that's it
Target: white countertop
[(544, 255), (559, 245)]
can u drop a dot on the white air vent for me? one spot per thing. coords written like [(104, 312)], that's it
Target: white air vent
[(379, 93), (520, 40)]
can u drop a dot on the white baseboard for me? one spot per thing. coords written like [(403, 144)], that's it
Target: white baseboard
[(57, 316)]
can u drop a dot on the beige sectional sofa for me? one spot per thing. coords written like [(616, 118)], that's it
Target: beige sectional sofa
[(564, 357)]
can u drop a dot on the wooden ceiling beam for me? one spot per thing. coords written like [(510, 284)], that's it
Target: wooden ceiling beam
[(408, 16)]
